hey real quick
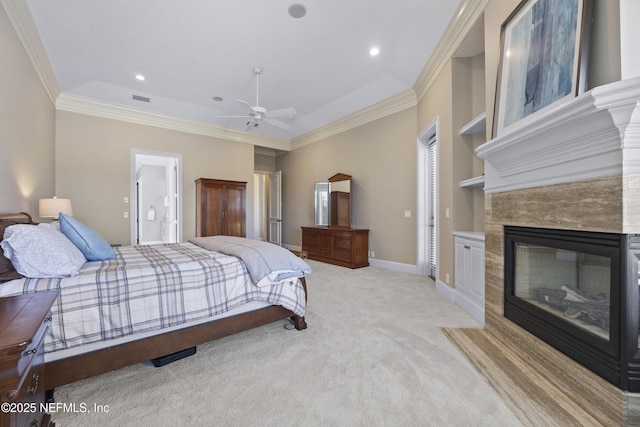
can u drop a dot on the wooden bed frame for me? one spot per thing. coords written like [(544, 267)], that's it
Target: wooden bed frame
[(75, 368)]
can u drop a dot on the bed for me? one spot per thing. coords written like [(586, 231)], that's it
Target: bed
[(146, 302)]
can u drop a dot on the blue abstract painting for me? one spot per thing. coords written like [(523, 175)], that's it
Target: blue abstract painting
[(540, 58)]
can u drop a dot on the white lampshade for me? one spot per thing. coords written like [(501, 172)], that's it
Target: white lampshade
[(51, 208)]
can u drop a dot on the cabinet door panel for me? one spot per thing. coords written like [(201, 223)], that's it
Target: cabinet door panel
[(460, 263), (235, 212), (476, 271), (212, 211)]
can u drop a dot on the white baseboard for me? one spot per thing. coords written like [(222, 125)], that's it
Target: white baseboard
[(447, 291), (392, 265), (469, 305)]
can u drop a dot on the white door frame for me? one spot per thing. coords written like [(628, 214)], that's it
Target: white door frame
[(275, 208), (133, 200), (422, 258)]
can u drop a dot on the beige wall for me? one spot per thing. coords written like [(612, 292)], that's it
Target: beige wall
[(26, 129), (437, 105), (381, 157), (93, 168), (265, 162)]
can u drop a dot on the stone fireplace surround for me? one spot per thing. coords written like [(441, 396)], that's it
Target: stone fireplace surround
[(574, 166)]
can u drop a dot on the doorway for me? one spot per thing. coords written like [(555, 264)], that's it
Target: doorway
[(268, 206), (427, 259), (156, 197)]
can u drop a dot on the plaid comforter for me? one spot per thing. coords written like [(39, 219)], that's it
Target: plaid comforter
[(149, 288)]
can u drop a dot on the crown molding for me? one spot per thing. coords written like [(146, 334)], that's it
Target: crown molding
[(91, 107), (20, 16), (459, 26), (394, 104)]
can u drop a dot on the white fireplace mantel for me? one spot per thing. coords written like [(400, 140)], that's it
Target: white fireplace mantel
[(593, 135)]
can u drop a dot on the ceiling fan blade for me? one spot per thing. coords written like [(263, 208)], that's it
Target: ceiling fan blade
[(283, 112), (226, 117), (277, 123), (245, 103)]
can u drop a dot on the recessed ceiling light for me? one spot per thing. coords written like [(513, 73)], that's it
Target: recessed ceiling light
[(140, 77), (218, 98), (297, 10), (374, 51)]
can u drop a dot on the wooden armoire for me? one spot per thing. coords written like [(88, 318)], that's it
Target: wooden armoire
[(220, 207)]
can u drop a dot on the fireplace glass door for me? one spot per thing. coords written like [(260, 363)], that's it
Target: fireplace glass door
[(572, 285)]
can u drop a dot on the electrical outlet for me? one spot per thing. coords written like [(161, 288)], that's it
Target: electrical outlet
[(125, 199), (446, 278), (407, 214), (372, 254), (126, 214)]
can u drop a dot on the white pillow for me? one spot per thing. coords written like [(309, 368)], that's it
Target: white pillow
[(41, 251)]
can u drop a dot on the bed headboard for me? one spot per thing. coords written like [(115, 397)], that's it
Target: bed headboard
[(21, 217)]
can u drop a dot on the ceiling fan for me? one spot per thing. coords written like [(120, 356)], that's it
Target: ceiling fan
[(258, 114)]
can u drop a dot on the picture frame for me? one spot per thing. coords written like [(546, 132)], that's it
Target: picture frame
[(543, 58)]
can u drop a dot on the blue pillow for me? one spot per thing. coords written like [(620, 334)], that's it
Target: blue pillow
[(90, 243)]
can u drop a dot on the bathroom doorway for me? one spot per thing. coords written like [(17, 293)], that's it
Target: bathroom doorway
[(156, 199)]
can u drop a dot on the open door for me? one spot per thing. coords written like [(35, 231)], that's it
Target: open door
[(275, 208)]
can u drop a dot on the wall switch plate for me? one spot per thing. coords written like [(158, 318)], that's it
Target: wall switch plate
[(446, 278), (126, 214), (125, 199), (407, 214)]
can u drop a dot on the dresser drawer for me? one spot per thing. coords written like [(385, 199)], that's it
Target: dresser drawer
[(342, 255), (31, 388), (309, 238), (310, 249), (324, 252), (324, 241), (342, 243)]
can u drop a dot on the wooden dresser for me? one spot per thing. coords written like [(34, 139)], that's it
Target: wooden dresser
[(347, 247), (220, 207), (24, 320)]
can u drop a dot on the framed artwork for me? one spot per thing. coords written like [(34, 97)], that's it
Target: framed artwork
[(544, 53)]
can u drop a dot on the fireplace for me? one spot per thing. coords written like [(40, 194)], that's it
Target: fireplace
[(578, 291)]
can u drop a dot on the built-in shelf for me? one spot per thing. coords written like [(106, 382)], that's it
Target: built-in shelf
[(477, 181), (477, 125)]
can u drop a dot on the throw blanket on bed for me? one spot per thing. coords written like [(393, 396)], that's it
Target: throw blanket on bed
[(267, 263), (149, 288)]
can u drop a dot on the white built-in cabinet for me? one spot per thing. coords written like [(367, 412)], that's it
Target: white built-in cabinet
[(469, 272)]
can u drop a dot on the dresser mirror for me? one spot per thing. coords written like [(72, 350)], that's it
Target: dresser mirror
[(321, 204)]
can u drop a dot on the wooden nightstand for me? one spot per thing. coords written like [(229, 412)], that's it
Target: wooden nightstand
[(24, 320)]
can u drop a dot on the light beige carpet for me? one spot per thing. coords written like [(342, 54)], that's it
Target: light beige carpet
[(373, 355)]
